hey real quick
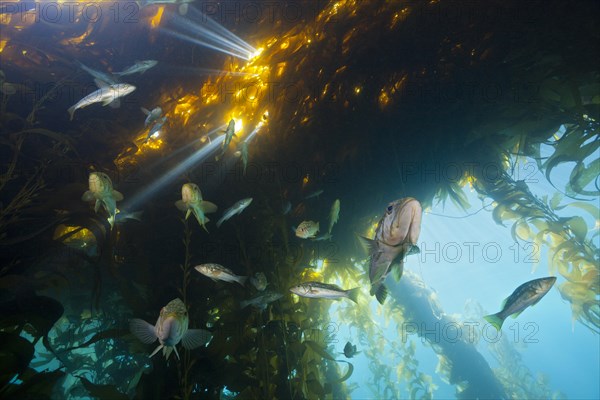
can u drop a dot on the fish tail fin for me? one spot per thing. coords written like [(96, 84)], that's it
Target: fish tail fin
[(381, 294), (241, 280), (353, 294), (71, 111), (495, 319)]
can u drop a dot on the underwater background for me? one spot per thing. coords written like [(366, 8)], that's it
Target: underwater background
[(319, 112)]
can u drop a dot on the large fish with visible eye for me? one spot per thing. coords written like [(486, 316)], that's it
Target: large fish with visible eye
[(191, 202), (101, 190), (524, 296), (396, 236), (170, 329), (106, 94)]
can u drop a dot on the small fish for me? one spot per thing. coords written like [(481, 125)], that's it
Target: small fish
[(236, 209), (125, 216), (138, 67), (218, 272), (316, 193), (105, 95), (396, 236), (244, 154), (183, 4), (318, 290), (262, 300), (155, 130), (191, 202), (170, 329), (101, 190), (229, 134), (350, 350), (286, 207), (107, 78), (334, 214), (325, 236), (151, 116), (524, 296), (307, 229), (259, 281)]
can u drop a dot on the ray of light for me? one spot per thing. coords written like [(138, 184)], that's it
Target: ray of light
[(189, 163)]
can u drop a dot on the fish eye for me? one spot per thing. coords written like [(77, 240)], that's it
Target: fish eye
[(390, 208)]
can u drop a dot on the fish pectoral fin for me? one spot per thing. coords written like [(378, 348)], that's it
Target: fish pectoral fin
[(145, 110), (207, 207), (181, 205), (369, 245), (117, 195), (397, 269), (142, 330), (195, 338), (116, 103), (381, 294), (87, 196), (97, 205)]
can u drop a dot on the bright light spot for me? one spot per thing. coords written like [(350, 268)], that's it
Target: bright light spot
[(239, 125), (155, 134), (257, 53), (357, 89)]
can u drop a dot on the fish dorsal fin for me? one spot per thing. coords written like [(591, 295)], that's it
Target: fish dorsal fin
[(503, 304), (194, 338)]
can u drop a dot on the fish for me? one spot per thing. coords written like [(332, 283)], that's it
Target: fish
[(229, 134), (316, 193), (151, 116), (192, 203), (155, 130), (286, 207), (123, 217), (107, 78), (101, 190), (350, 350), (217, 272), (325, 236), (307, 229), (526, 295), (182, 9), (244, 154), (262, 300), (236, 209), (334, 214), (396, 236), (170, 329), (318, 290), (107, 94), (138, 67), (259, 281)]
